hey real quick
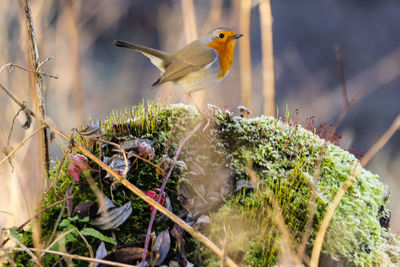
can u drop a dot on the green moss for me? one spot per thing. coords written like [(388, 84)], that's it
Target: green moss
[(284, 157)]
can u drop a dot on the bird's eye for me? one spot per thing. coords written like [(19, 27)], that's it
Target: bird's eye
[(221, 35)]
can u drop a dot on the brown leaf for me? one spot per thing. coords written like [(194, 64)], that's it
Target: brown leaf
[(92, 130), (87, 209), (28, 121), (112, 218), (162, 246), (177, 233), (128, 255)]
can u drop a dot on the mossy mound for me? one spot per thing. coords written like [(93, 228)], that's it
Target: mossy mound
[(215, 161)]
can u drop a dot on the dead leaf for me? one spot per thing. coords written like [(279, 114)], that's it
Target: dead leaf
[(128, 255), (162, 246), (92, 130), (112, 218), (78, 164)]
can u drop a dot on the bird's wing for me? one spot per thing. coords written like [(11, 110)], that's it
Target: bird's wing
[(191, 58)]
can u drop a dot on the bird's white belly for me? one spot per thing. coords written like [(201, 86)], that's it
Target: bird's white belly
[(201, 79)]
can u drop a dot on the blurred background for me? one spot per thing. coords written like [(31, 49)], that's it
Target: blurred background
[(96, 77)]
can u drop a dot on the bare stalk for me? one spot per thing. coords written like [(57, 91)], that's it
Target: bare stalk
[(21, 144), (41, 107), (166, 178), (244, 53), (319, 239), (191, 34), (78, 95), (382, 141), (75, 257), (267, 57)]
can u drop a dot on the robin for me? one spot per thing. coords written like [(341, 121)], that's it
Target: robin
[(196, 66)]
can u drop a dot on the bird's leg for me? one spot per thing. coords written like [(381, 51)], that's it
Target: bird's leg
[(207, 117), (194, 103)]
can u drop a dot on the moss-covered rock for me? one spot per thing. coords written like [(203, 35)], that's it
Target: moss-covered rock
[(215, 161)]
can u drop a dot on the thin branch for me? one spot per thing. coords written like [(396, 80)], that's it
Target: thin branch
[(382, 141), (348, 106), (19, 103), (12, 126), (10, 260), (319, 239), (244, 53), (153, 213), (213, 16), (53, 233), (89, 247), (21, 144), (339, 62), (58, 173), (36, 216), (34, 51), (131, 187), (312, 206), (276, 215), (75, 257), (147, 161), (10, 66), (25, 249), (120, 150), (267, 57)]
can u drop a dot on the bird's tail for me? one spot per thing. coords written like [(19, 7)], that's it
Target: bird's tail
[(159, 58)]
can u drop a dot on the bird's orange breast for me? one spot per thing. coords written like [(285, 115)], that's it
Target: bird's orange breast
[(225, 53)]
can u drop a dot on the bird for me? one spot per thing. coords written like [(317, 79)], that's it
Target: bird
[(196, 66)]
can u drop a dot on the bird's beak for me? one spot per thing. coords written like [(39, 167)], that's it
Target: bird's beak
[(236, 36)]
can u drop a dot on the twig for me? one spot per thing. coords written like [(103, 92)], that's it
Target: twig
[(267, 57), (339, 62), (145, 160), (153, 213), (224, 250), (312, 186), (19, 103), (348, 106), (21, 144), (25, 249), (53, 233), (244, 53), (120, 150), (57, 239), (36, 215), (38, 85), (58, 173), (10, 260), (130, 186), (213, 16), (64, 234), (12, 126), (312, 206), (382, 141), (12, 65), (75, 257), (71, 11), (189, 20), (319, 239), (276, 214)]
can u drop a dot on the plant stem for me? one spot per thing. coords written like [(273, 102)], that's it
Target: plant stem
[(153, 213), (41, 107)]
